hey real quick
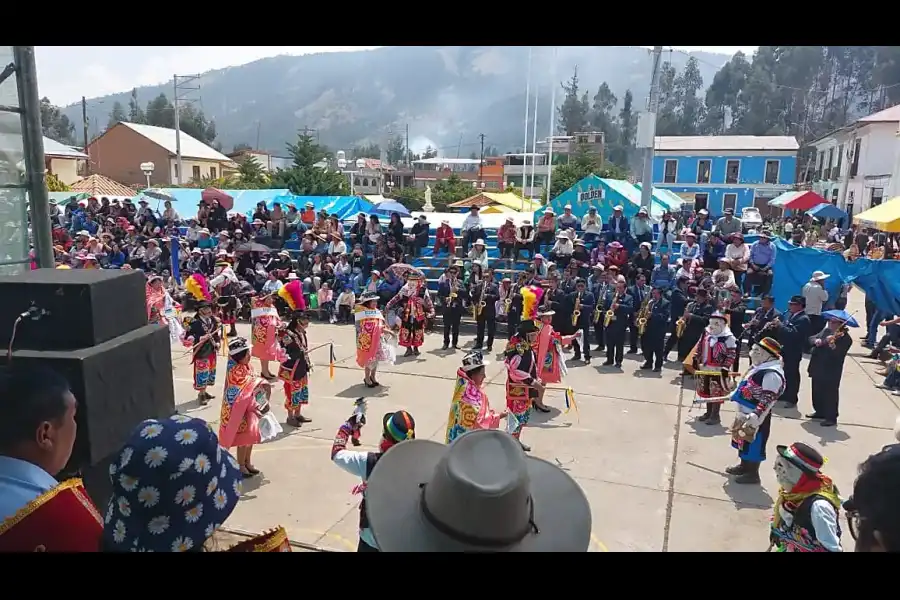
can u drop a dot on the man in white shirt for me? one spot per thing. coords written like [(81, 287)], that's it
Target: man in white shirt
[(562, 251), (816, 297), (472, 229), (739, 254), (591, 226)]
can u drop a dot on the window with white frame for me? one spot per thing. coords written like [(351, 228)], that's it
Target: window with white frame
[(729, 201), (877, 197), (773, 167), (732, 171), (671, 171), (704, 167)]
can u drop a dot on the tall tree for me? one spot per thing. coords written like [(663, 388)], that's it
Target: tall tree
[(581, 164), (252, 174), (116, 115), (396, 150), (304, 178), (367, 151), (690, 109), (667, 122), (135, 114), (56, 125), (572, 113), (621, 149), (160, 112)]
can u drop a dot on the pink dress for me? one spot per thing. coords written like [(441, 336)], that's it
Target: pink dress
[(264, 325)]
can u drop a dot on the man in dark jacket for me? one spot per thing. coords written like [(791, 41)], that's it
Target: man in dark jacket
[(793, 335), (452, 293), (677, 302), (486, 291), (654, 338), (585, 302), (418, 237), (622, 304)]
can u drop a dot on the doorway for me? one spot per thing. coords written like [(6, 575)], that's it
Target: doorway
[(701, 201), (729, 201)]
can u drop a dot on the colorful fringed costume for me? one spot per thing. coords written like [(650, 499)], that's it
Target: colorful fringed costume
[(292, 294), (294, 371), (552, 366), (755, 395), (521, 371), (469, 409), (413, 305), (264, 325), (372, 343), (62, 519), (204, 353), (714, 354), (244, 393), (162, 310)]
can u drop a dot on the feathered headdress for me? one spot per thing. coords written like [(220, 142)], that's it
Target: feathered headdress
[(531, 299), (197, 287), (292, 294)]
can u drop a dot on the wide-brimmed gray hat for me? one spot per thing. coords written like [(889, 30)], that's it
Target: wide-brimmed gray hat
[(479, 494)]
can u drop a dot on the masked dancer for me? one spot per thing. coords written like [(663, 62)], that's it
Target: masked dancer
[(294, 371), (470, 409), (397, 427), (245, 400), (413, 305), (712, 362), (755, 396), (161, 308), (264, 324), (373, 344), (203, 338), (226, 285), (806, 515), (523, 384)]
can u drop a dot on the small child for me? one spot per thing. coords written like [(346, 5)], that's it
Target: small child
[(345, 303)]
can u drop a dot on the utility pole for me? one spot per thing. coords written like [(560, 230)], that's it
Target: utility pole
[(649, 131), (481, 164), (180, 86), (408, 151), (84, 122), (459, 146)]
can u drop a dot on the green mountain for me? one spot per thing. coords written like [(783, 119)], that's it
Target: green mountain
[(446, 95)]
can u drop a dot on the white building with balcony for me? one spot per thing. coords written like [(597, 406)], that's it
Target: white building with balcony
[(858, 166)]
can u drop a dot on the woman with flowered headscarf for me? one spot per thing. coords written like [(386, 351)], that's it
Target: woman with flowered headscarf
[(245, 400), (173, 486)]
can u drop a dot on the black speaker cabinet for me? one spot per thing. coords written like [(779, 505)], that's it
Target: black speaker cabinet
[(81, 307), (118, 384)]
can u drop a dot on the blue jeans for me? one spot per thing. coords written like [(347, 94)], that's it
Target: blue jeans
[(872, 334)]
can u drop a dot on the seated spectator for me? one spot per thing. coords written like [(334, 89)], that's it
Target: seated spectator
[(418, 237), (336, 246), (358, 231), (546, 231), (506, 238), (445, 238), (478, 254), (395, 229), (690, 249), (326, 303), (472, 229), (525, 239), (345, 303), (591, 226), (759, 268), (567, 220), (561, 253), (373, 230)]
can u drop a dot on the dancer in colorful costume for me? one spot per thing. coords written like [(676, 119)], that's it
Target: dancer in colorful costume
[(755, 396), (161, 308), (245, 400), (523, 384), (292, 294), (470, 409), (807, 513), (294, 371), (712, 359), (372, 338), (226, 285), (203, 337), (413, 305), (264, 324)]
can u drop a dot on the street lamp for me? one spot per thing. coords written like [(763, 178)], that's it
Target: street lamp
[(390, 188), (147, 168)]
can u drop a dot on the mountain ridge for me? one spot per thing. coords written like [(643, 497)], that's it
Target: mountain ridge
[(446, 94)]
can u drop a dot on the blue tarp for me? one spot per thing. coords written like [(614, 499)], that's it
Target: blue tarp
[(602, 194), (879, 279), (826, 210), (244, 200), (342, 206)]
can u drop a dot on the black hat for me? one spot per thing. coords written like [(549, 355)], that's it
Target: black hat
[(798, 300), (513, 503), (399, 426), (804, 457), (526, 327), (203, 304)]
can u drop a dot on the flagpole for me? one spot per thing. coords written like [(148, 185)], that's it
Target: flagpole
[(527, 104), (552, 122), (537, 91)]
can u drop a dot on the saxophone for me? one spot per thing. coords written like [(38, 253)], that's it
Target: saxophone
[(642, 315), (478, 307), (597, 311), (576, 314), (610, 314), (680, 326)]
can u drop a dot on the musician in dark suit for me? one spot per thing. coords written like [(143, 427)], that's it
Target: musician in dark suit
[(585, 301), (654, 339), (826, 367), (555, 299), (678, 300), (793, 329), (622, 304), (759, 326), (514, 315), (599, 288), (452, 294), (486, 291), (696, 317), (639, 292), (736, 310)]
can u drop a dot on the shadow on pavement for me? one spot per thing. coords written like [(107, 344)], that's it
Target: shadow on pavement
[(826, 435)]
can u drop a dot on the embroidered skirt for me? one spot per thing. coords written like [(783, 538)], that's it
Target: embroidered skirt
[(296, 393), (204, 372), (518, 402), (412, 334)]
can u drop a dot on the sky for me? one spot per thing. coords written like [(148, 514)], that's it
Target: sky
[(66, 73)]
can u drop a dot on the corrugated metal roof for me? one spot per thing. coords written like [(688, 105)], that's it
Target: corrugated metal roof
[(190, 147), (726, 143), (99, 185), (888, 115), (513, 201), (54, 148)]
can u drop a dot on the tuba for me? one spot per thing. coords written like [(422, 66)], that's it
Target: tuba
[(576, 314), (642, 316), (610, 314)]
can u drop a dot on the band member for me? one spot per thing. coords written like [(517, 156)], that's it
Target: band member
[(806, 514), (522, 382), (470, 409), (453, 294), (712, 363), (397, 427), (755, 396), (203, 337), (653, 340), (37, 512), (760, 325), (695, 318), (372, 338), (226, 285), (678, 300), (161, 308), (581, 306), (414, 306), (514, 312), (264, 324), (245, 400), (294, 371), (826, 367), (602, 284), (736, 311), (640, 294), (618, 308), (485, 295), (505, 291), (793, 329), (554, 300)]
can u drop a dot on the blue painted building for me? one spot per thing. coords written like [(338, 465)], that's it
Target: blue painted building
[(729, 171)]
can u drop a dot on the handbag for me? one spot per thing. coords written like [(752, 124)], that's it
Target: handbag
[(269, 427)]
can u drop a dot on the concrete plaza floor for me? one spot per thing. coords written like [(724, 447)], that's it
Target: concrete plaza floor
[(654, 478)]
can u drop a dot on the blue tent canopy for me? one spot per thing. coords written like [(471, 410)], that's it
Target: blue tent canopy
[(342, 206), (826, 210), (602, 194), (244, 200)]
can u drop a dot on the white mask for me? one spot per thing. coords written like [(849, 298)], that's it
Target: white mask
[(787, 473), (758, 356), (716, 327)]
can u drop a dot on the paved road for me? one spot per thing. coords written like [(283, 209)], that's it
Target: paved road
[(655, 480)]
